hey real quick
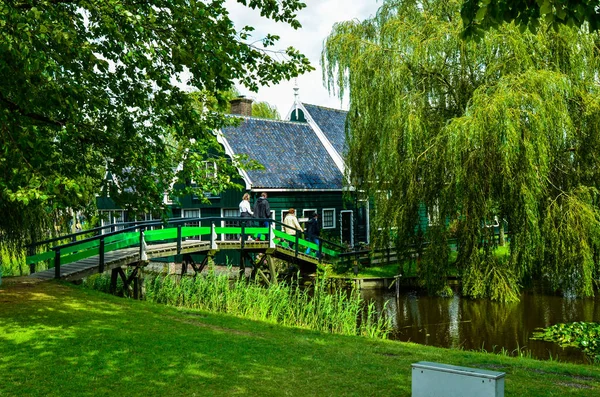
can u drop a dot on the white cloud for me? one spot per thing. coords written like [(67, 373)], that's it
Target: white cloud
[(317, 19)]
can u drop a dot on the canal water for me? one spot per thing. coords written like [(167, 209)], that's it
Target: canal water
[(468, 324)]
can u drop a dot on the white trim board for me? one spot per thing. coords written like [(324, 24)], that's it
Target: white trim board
[(229, 151)]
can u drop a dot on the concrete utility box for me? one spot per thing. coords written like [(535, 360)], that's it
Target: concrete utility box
[(442, 380)]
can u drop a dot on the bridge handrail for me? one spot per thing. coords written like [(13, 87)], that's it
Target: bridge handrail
[(170, 221), (143, 225)]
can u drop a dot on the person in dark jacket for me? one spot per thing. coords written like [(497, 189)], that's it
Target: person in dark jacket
[(312, 231), (262, 210)]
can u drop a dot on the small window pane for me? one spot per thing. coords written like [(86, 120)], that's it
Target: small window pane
[(328, 219)]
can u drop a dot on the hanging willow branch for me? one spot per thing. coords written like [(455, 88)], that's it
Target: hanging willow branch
[(506, 129)]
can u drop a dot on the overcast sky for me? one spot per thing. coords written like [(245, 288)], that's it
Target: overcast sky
[(317, 20)]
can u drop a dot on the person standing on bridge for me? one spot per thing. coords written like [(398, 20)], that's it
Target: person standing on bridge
[(313, 230), (292, 226), (245, 212), (262, 210)]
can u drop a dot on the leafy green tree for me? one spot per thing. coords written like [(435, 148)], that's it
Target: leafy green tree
[(265, 110), (480, 15), (88, 87), (506, 127)]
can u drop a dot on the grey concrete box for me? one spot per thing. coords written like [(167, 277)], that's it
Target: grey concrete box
[(434, 379)]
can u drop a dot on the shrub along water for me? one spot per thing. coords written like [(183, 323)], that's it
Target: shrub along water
[(339, 312)]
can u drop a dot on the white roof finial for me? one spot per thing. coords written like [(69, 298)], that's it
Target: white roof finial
[(296, 101)]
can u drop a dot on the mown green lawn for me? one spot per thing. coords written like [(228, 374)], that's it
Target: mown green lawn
[(61, 340)]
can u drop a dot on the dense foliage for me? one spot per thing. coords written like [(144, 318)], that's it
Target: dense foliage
[(88, 87), (581, 335), (478, 15), (506, 127)]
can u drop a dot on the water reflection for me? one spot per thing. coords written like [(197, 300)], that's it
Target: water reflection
[(479, 324)]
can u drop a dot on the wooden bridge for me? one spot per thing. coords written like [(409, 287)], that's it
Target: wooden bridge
[(75, 256)]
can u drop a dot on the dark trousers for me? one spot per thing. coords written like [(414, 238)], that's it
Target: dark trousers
[(262, 223), (244, 224)]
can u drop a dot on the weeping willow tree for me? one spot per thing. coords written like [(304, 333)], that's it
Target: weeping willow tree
[(506, 128)]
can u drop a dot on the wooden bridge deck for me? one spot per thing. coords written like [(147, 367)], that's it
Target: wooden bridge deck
[(127, 256)]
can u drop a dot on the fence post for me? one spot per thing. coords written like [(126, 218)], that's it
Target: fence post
[(296, 245), (271, 234), (143, 255), (320, 255), (213, 236), (57, 263), (101, 256)]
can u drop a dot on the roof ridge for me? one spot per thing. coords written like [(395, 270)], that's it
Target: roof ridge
[(265, 119), (325, 107)]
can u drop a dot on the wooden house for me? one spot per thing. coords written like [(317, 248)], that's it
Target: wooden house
[(304, 169)]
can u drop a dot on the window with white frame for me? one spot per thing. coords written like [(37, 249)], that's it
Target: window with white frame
[(230, 212), (104, 220), (433, 215), (210, 169), (191, 213), (328, 221), (308, 213), (119, 217)]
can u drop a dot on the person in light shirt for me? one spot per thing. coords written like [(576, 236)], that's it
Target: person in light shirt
[(291, 223), (245, 212)]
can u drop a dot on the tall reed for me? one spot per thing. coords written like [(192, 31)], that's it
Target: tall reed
[(338, 312)]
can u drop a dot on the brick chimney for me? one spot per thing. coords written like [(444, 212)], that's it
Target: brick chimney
[(241, 106)]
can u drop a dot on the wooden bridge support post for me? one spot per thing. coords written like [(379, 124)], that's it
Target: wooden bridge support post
[(114, 275), (101, 256), (272, 269), (57, 263), (31, 252)]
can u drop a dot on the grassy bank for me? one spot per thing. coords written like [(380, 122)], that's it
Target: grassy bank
[(61, 340)]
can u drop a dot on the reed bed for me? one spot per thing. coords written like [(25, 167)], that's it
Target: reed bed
[(339, 312)]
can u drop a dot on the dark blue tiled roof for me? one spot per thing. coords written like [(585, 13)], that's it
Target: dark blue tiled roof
[(292, 154), (332, 122)]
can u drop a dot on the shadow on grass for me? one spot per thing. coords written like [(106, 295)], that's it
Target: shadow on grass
[(60, 340)]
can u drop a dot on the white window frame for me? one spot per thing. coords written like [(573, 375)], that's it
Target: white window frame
[(433, 216), (121, 218), (223, 235), (183, 210), (323, 218), (304, 211), (210, 174), (103, 222)]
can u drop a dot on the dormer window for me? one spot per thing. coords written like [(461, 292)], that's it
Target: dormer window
[(210, 168)]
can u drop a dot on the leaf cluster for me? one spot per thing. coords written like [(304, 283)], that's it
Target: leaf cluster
[(481, 15), (581, 335), (90, 87)]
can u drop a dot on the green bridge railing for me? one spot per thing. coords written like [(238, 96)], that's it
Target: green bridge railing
[(138, 234)]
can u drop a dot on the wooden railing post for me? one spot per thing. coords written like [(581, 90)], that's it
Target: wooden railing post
[(57, 263), (179, 239), (271, 234), (296, 245), (213, 236), (243, 235), (101, 256), (320, 255), (143, 255)]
